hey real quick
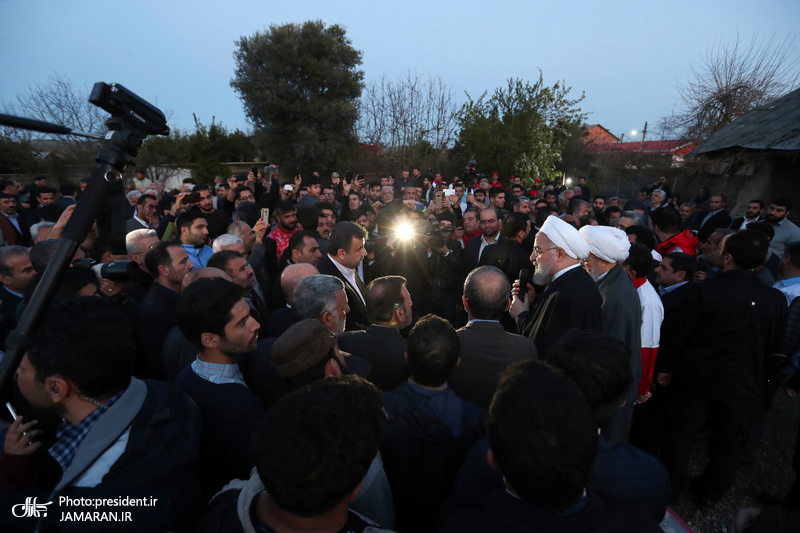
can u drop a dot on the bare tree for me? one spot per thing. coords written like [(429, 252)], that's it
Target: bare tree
[(411, 119), (732, 79), (57, 101)]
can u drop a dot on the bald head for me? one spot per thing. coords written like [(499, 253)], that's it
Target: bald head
[(292, 275), (487, 293), (200, 273)]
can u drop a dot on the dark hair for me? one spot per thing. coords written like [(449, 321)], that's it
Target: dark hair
[(601, 197), (724, 198), (73, 341), (599, 367), (575, 204), (643, 235), (342, 236), (187, 218), (159, 256), (514, 223), (50, 212), (308, 217), (383, 297), (639, 259), (41, 253), (206, 307), (611, 209), (298, 240), (487, 291), (315, 445), (445, 215), (683, 262), (667, 219), (757, 201), (792, 251), (220, 259), (237, 192), (284, 206), (494, 191), (542, 213), (764, 227), (44, 190), (782, 202), (201, 187), (542, 434), (67, 189), (325, 205), (748, 248), (7, 252), (433, 349), (249, 212), (143, 198), (311, 180)]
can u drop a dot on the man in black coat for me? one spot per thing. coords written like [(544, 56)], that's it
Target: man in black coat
[(486, 348), (717, 217), (345, 254), (389, 311), (489, 223), (509, 255), (571, 299), (714, 361)]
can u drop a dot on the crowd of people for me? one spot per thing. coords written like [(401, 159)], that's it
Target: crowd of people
[(403, 354)]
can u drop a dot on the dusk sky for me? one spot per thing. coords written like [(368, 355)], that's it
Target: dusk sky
[(628, 57)]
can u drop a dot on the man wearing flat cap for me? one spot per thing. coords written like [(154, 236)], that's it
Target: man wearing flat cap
[(622, 312), (571, 299)]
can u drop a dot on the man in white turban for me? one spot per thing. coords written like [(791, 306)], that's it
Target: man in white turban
[(622, 312), (571, 299)]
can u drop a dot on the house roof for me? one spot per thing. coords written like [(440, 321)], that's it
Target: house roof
[(772, 126), (676, 147), (590, 127)]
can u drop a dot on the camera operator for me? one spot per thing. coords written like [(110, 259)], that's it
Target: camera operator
[(442, 269)]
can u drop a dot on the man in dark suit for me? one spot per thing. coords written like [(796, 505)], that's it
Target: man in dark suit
[(389, 311), (717, 217), (486, 348), (345, 253), (169, 263), (283, 318), (16, 272), (755, 213), (145, 209), (715, 363), (489, 223), (674, 277), (509, 255), (13, 226)]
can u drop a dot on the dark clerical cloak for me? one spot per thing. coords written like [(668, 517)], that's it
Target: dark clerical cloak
[(622, 321), (570, 301)]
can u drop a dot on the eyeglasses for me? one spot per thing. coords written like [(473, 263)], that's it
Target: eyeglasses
[(539, 251), (245, 198)]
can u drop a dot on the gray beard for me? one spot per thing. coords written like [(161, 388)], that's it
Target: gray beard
[(542, 278)]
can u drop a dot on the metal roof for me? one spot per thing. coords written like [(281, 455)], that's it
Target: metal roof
[(772, 126)]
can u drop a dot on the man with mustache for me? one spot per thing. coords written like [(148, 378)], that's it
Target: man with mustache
[(571, 299)]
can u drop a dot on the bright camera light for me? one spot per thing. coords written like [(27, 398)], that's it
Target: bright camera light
[(404, 232)]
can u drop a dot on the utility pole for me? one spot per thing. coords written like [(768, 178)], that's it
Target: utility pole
[(644, 134)]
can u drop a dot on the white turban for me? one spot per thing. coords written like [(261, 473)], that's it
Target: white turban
[(609, 244), (564, 235)]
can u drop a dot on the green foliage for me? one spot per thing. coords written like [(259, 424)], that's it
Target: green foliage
[(16, 157), (299, 85), (519, 130)]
